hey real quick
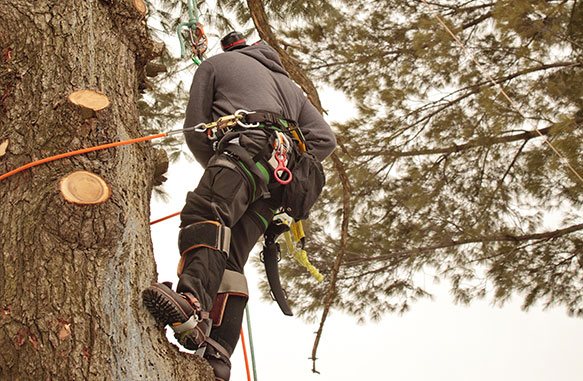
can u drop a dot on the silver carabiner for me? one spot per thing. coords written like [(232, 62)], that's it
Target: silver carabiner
[(201, 127), (240, 114)]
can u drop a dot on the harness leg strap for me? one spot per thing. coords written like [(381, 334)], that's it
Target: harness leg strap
[(209, 234)]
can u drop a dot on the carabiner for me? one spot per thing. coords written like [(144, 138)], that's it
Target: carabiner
[(241, 114)]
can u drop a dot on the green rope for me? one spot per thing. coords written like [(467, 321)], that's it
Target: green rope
[(248, 315), (191, 24)]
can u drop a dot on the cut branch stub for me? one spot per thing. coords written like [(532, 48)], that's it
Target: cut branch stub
[(82, 187), (141, 6), (89, 99), (3, 147)]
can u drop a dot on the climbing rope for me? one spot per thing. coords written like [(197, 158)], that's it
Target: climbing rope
[(82, 151), (194, 33), (223, 122), (164, 218), (245, 354), (253, 362)]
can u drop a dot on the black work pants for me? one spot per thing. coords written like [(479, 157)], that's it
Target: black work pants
[(229, 193)]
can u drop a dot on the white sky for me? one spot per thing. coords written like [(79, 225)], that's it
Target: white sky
[(435, 341)]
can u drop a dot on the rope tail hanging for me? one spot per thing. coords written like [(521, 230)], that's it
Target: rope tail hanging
[(245, 354), (251, 348)]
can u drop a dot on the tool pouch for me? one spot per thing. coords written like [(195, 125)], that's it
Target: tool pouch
[(303, 191)]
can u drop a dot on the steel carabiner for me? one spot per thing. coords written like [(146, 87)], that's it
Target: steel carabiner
[(241, 114)]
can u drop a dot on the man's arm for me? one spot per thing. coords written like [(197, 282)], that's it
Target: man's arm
[(199, 110), (319, 136)]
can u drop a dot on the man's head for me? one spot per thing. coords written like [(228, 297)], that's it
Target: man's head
[(233, 41)]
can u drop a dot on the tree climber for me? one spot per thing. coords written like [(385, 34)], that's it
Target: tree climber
[(243, 185)]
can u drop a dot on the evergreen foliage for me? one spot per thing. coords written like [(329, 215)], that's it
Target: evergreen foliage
[(450, 179)]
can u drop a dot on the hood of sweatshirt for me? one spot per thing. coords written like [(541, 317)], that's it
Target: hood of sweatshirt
[(266, 55)]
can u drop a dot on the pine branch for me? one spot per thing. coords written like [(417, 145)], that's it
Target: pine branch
[(501, 237), (476, 143), (476, 88)]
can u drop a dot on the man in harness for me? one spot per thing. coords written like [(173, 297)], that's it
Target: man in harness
[(246, 172)]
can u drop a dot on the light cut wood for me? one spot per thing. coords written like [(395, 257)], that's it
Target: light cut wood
[(3, 147), (90, 99), (82, 187), (141, 6)]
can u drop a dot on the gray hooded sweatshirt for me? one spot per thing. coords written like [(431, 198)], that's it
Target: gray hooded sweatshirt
[(251, 78)]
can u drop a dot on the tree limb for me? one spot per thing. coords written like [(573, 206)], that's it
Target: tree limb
[(257, 9), (480, 142), (259, 16), (501, 237)]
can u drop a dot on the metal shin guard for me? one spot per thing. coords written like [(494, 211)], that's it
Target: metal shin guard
[(209, 234), (232, 284)]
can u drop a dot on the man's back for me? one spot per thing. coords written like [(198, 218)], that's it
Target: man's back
[(251, 79)]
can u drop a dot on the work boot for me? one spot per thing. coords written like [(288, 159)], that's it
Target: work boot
[(182, 312), (218, 359)]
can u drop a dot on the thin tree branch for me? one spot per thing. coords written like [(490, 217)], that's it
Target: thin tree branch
[(331, 294), (480, 142), (257, 9), (501, 237)]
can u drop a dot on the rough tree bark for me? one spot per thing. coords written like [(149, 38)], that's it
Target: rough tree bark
[(71, 275)]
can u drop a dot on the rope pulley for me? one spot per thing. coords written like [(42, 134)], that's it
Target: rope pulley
[(193, 33)]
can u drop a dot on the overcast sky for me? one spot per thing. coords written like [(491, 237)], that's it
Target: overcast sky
[(436, 340)]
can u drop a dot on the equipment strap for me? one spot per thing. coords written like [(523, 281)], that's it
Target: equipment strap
[(271, 255), (245, 157), (233, 282), (188, 325), (270, 119), (210, 234)]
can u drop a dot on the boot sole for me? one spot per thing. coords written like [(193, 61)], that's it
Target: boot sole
[(163, 305)]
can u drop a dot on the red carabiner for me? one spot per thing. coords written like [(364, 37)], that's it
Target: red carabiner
[(280, 157)]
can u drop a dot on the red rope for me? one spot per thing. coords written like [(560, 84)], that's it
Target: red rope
[(245, 355)]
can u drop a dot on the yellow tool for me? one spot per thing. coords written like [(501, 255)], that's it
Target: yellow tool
[(294, 243)]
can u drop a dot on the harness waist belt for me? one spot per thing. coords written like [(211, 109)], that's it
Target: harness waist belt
[(269, 118)]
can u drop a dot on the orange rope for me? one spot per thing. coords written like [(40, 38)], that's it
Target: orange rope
[(164, 218), (79, 152), (245, 355)]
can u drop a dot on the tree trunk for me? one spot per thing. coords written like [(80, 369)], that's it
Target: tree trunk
[(71, 274)]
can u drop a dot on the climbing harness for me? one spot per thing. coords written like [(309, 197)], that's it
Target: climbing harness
[(283, 138), (193, 32)]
